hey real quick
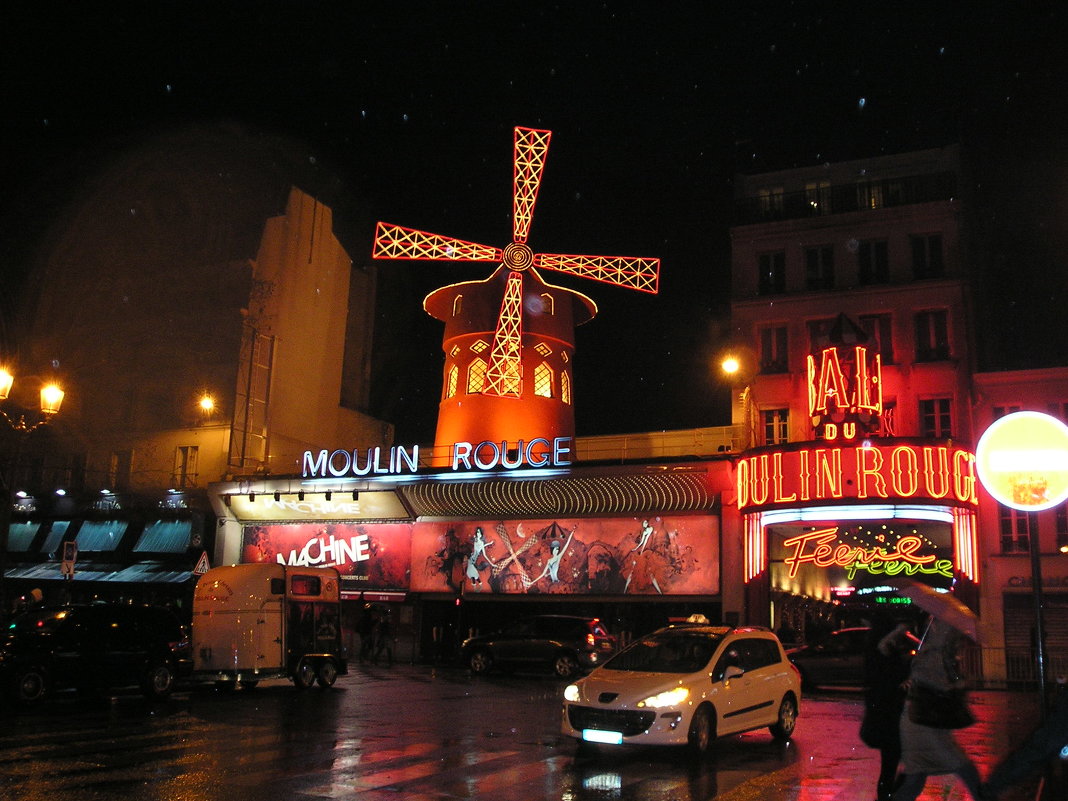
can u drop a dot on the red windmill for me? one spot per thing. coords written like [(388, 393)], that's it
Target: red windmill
[(532, 322)]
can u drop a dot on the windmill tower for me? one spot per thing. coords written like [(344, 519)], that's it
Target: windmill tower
[(509, 339)]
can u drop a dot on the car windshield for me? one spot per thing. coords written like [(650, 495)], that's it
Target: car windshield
[(668, 652), (45, 620)]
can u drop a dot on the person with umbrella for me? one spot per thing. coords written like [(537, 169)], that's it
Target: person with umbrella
[(936, 702)]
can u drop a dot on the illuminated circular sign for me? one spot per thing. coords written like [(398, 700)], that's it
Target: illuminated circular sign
[(1022, 460)]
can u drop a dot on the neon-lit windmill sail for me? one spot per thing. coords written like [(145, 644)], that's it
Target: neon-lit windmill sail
[(505, 373)]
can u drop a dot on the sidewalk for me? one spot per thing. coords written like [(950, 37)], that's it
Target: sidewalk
[(1004, 719)]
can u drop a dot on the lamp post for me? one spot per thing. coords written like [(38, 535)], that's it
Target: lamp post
[(51, 398), (738, 369)]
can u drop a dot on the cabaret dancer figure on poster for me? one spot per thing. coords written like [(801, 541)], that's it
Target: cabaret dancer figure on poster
[(478, 551)]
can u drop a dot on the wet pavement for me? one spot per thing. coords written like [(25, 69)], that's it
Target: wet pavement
[(419, 733)]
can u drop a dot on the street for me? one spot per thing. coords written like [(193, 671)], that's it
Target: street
[(417, 732)]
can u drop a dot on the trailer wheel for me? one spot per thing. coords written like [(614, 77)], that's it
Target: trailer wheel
[(304, 675), (327, 673)]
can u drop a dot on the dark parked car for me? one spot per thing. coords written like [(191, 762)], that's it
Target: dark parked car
[(835, 660), (563, 643), (93, 647)]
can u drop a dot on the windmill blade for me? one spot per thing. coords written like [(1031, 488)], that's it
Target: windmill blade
[(635, 273), (504, 377), (531, 148), (397, 242)]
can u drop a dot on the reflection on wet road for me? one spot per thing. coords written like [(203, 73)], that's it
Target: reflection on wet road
[(410, 733)]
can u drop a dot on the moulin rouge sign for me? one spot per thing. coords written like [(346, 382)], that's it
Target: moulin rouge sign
[(463, 456), (845, 403)]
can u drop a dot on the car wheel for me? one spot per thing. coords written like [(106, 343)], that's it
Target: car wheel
[(702, 731), (327, 674), (783, 728), (565, 666), (30, 685), (304, 675), (158, 681), (480, 661)]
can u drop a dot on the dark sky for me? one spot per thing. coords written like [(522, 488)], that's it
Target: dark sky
[(654, 106)]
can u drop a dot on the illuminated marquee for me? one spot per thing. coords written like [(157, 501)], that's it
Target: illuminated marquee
[(862, 472), (815, 547), (538, 452), (845, 394)]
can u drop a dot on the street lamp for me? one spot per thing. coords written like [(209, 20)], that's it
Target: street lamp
[(738, 368), (51, 399)]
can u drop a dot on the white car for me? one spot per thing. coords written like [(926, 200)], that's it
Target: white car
[(686, 685)]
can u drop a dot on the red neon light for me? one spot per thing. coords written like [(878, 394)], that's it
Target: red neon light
[(531, 151), (868, 472)]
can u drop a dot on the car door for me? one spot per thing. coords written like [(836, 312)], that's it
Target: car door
[(745, 699), (514, 643)]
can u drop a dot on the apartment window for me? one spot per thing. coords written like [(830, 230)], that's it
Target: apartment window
[(773, 349), (936, 418), (772, 273), (543, 381), (869, 196), (818, 197), (185, 466), (819, 268), (927, 256), (770, 199), (1017, 529), (776, 426), (879, 329), (1001, 411), (476, 377), (873, 263), (932, 336), (120, 466)]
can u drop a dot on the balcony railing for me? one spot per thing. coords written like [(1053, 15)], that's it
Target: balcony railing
[(861, 196)]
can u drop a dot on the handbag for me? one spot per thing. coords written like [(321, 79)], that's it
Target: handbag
[(939, 709)]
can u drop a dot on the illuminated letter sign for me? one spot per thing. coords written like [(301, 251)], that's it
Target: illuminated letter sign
[(875, 473), (845, 392), (1022, 459), (539, 452)]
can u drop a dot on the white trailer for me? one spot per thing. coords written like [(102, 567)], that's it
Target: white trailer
[(267, 621)]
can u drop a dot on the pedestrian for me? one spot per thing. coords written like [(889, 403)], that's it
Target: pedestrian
[(887, 656), (366, 628), (383, 638), (935, 705)]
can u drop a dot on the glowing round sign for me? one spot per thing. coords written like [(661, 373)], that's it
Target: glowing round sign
[(1022, 460)]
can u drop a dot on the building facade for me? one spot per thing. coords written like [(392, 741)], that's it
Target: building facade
[(852, 310)]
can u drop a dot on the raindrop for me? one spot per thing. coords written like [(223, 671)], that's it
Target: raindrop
[(404, 117), (862, 102)]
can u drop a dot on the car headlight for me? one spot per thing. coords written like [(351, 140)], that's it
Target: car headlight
[(667, 698), (571, 692)]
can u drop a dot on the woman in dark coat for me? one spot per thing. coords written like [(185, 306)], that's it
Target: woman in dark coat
[(886, 669)]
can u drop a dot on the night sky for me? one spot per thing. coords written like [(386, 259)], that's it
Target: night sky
[(403, 112)]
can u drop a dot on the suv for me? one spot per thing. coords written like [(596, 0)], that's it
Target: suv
[(93, 647), (686, 685), (564, 643)]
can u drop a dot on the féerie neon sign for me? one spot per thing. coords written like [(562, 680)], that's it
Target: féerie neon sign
[(814, 547)]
